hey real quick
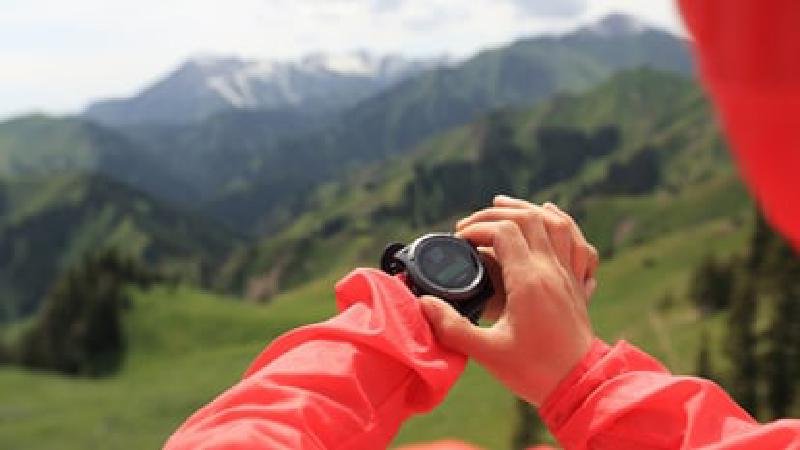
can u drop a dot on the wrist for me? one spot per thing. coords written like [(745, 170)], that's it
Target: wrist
[(595, 353), (547, 378)]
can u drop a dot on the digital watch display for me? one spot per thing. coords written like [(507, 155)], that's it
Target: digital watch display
[(445, 266)]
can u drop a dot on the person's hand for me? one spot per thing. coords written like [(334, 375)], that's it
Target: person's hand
[(547, 276), (583, 256)]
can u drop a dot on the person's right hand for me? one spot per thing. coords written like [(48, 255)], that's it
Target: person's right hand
[(547, 270)]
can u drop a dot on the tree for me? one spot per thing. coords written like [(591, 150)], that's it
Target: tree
[(769, 272), (638, 175), (78, 331), (781, 359), (762, 237), (741, 344), (777, 267), (5, 354), (710, 287)]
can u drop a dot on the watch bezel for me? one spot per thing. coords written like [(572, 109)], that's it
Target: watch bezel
[(411, 254)]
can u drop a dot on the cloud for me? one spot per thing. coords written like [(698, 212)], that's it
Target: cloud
[(551, 8), (382, 6), (541, 8), (58, 55)]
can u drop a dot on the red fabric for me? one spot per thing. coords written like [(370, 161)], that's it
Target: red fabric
[(456, 445), (347, 383), (350, 382), (749, 58), (621, 398)]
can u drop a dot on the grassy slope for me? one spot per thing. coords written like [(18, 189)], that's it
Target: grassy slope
[(696, 173), (185, 347), (30, 143), (48, 223), (40, 145)]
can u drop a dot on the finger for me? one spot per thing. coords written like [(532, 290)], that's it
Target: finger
[(561, 237), (503, 236), (492, 214), (585, 257), (529, 220), (453, 330), (502, 201), (555, 225), (511, 202), (562, 243)]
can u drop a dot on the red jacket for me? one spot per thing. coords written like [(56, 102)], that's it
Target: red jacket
[(350, 382), (749, 59)]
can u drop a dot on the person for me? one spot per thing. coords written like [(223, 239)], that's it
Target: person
[(350, 382)]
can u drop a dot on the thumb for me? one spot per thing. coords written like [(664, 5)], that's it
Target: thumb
[(452, 329)]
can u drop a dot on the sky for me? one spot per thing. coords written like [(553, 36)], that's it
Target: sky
[(59, 55)]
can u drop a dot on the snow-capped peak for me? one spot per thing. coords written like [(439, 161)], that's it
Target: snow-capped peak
[(354, 63), (208, 83), (255, 83)]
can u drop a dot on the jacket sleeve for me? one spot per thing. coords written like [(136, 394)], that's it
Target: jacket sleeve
[(347, 383), (621, 398), (748, 56)]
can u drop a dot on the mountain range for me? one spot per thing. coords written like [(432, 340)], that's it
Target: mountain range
[(257, 212), (247, 170), (204, 86), (637, 159), (617, 157), (516, 76)]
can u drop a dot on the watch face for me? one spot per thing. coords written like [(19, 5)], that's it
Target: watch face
[(448, 263)]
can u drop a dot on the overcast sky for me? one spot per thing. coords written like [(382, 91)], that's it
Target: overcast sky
[(57, 55)]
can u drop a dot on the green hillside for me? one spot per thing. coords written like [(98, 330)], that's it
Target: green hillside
[(591, 153), (253, 170), (49, 223), (42, 146), (638, 160), (223, 151), (185, 347), (514, 76)]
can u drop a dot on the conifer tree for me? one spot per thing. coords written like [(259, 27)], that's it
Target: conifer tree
[(742, 341), (781, 359), (777, 267), (78, 331), (711, 284)]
